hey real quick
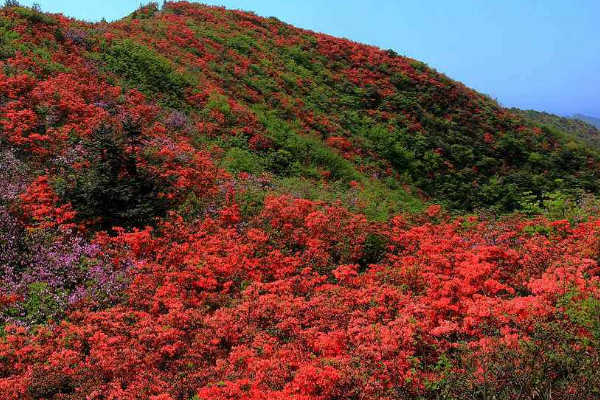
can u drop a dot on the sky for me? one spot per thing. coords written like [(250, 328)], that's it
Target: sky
[(532, 54)]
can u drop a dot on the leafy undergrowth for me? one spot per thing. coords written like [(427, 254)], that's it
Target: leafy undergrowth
[(198, 203)]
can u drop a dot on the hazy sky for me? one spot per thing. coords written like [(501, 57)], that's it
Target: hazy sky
[(540, 54)]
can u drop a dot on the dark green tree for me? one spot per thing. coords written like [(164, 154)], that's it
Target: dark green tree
[(113, 190)]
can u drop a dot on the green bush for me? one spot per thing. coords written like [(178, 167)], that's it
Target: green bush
[(240, 160), (8, 37), (147, 71), (34, 15), (40, 303), (280, 162)]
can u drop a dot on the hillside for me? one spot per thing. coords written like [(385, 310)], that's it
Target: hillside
[(203, 204), (300, 106), (575, 127)]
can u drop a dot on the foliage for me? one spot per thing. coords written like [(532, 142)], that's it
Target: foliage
[(45, 272), (303, 302), (198, 203), (145, 70)]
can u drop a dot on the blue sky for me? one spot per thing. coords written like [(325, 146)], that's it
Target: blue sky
[(539, 54)]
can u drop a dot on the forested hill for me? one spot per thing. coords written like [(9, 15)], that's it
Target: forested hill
[(203, 204), (278, 100)]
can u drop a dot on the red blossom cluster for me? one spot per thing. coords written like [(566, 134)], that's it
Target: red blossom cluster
[(283, 307), (40, 206)]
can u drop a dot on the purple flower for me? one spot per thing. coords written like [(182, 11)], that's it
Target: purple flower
[(176, 120), (77, 36), (14, 176), (51, 272)]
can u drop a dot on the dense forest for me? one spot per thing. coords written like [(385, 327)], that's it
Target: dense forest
[(198, 203)]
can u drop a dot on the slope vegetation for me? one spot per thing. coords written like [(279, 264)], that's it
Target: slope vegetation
[(198, 203)]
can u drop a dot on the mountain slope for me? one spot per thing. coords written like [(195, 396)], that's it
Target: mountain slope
[(385, 112), (296, 104), (201, 204)]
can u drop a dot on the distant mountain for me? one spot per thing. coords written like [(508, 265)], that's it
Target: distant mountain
[(578, 126), (590, 120)]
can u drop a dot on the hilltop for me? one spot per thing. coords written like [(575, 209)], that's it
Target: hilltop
[(199, 203)]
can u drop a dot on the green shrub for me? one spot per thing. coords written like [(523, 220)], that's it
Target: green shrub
[(242, 43), (280, 162), (34, 15), (8, 37), (240, 160), (40, 303), (147, 71)]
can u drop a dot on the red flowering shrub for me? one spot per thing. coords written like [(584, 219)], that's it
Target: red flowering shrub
[(40, 205), (277, 309)]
